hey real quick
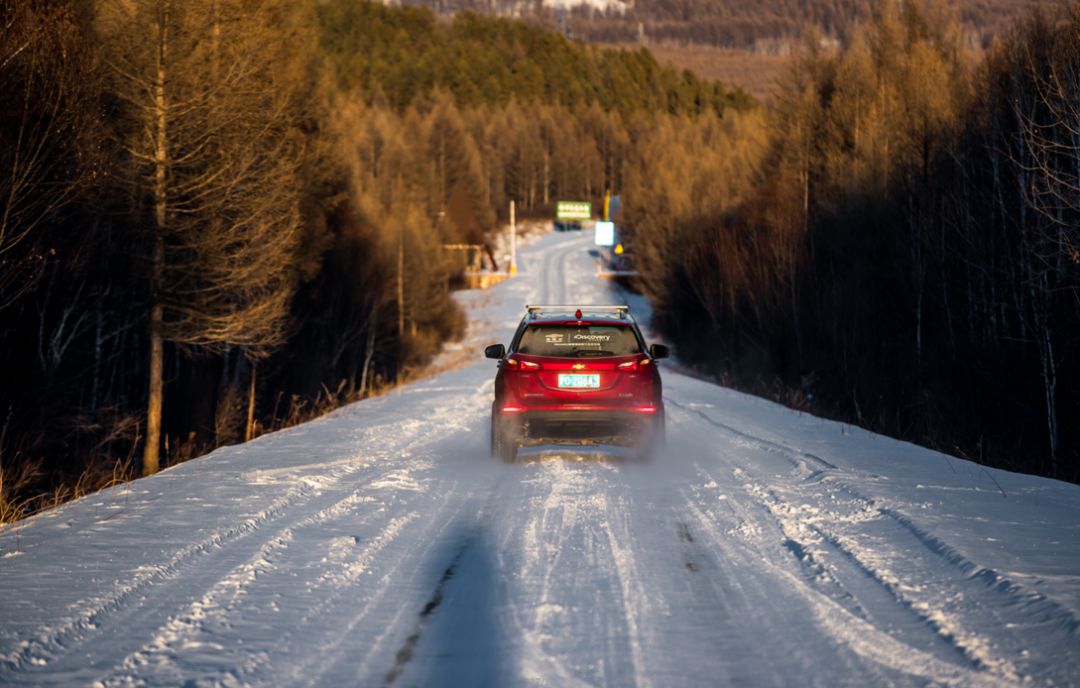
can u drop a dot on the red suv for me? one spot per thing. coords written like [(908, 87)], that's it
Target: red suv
[(577, 374)]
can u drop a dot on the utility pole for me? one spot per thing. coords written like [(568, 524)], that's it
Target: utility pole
[(513, 241)]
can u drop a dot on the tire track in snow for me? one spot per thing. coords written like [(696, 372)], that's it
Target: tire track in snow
[(328, 627), (1068, 620), (51, 642), (197, 624), (553, 284), (1031, 602), (631, 585), (207, 616), (546, 277), (834, 619), (310, 631), (560, 277), (193, 623), (798, 459), (810, 537), (556, 549), (808, 533), (987, 591), (440, 527)]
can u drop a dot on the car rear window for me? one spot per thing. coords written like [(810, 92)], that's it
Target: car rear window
[(578, 340)]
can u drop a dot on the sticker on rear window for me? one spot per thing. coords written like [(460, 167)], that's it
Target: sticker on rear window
[(546, 339)]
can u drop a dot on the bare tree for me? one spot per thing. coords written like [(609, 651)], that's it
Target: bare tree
[(213, 164), (1048, 160), (47, 148)]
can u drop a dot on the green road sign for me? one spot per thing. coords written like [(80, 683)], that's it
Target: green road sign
[(573, 210)]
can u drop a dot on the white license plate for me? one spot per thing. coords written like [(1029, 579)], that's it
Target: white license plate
[(579, 381)]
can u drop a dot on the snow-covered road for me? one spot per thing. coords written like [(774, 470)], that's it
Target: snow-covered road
[(382, 545)]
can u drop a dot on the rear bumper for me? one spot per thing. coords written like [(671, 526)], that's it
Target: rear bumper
[(607, 425)]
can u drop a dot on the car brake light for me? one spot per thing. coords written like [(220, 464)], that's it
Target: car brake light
[(514, 364), (633, 365), (648, 408), (510, 408)]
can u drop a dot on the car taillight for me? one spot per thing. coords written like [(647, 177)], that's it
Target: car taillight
[(514, 364), (647, 408), (512, 408), (633, 365)]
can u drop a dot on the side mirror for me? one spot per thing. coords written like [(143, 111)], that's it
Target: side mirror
[(659, 351), (495, 351)]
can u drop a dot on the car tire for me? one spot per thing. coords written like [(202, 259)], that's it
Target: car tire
[(503, 445), (652, 442)]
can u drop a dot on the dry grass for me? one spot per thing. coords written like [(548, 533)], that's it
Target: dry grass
[(754, 72), (98, 476), (16, 498), (22, 494), (26, 489)]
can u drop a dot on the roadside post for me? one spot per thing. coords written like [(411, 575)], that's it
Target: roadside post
[(513, 241)]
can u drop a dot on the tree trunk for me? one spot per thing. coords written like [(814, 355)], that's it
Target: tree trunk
[(795, 318), (547, 178), (225, 403), (153, 410), (369, 351), (249, 430), (1049, 375), (401, 284), (98, 334)]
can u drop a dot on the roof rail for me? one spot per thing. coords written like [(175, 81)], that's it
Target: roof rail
[(622, 311)]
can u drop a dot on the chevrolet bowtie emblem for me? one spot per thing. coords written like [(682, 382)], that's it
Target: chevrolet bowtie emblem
[(579, 366)]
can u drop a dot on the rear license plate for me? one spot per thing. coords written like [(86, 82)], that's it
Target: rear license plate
[(579, 381)]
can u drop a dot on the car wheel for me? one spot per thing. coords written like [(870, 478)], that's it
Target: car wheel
[(503, 445), (652, 441)]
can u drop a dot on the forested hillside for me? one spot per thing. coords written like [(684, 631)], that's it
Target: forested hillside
[(215, 222), (742, 42), (763, 25), (398, 54)]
